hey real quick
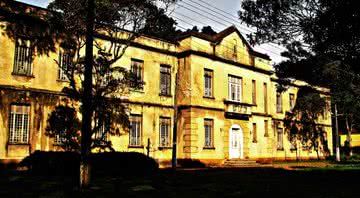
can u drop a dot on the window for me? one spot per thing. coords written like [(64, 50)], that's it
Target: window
[(65, 61), (291, 101), (59, 139), (280, 145), (102, 133), (208, 78), (266, 128), (278, 102), (165, 132), (254, 131), (165, 80), (235, 88), (135, 131), (209, 139), (137, 72), (265, 98), (253, 92), (19, 124), (106, 78), (23, 57)]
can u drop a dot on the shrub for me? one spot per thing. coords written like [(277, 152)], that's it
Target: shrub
[(107, 163)]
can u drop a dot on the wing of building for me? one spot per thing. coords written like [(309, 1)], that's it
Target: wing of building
[(218, 92)]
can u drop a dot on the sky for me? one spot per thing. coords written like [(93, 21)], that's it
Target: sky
[(219, 14)]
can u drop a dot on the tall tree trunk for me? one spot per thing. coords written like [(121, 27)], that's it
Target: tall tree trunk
[(86, 99), (349, 130)]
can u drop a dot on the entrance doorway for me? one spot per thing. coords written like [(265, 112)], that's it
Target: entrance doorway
[(236, 145)]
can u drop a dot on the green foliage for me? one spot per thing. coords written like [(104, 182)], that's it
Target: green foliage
[(208, 30), (301, 123), (322, 38), (160, 25)]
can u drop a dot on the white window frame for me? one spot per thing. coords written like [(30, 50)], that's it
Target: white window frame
[(235, 86), (208, 133), (135, 136), (19, 121), (59, 139), (165, 132), (208, 83)]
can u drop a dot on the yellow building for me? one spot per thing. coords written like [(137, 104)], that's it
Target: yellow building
[(219, 92)]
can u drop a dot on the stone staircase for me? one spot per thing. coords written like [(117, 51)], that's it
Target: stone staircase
[(243, 163)]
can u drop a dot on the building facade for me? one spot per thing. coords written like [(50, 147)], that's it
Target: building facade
[(217, 91)]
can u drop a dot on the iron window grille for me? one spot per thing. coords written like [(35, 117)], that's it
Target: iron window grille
[(23, 57), (19, 124), (165, 80)]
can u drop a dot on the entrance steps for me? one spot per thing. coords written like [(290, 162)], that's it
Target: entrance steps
[(239, 163)]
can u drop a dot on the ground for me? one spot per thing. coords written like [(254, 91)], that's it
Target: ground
[(307, 179)]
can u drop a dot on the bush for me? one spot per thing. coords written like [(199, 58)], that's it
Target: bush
[(123, 163), (52, 163), (191, 163), (107, 163)]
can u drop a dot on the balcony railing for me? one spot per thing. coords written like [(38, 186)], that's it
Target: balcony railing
[(238, 110)]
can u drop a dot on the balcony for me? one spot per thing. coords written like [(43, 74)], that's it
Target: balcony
[(237, 110)]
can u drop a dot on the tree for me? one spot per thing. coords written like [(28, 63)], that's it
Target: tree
[(301, 123), (102, 82), (96, 82), (64, 125), (193, 29), (208, 30), (322, 40), (160, 25)]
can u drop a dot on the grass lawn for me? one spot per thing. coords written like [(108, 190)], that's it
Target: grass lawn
[(327, 182)]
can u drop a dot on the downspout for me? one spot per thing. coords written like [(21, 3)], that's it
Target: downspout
[(174, 146)]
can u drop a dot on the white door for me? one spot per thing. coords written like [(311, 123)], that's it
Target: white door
[(236, 142)]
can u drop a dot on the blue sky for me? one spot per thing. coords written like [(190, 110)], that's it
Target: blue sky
[(219, 14)]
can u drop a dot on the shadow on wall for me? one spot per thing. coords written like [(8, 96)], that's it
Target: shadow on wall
[(107, 163)]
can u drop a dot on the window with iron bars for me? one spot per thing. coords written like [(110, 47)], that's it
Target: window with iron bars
[(165, 140), (136, 70), (135, 130), (65, 61), (165, 80), (101, 135), (23, 57), (209, 136), (208, 85), (19, 124)]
